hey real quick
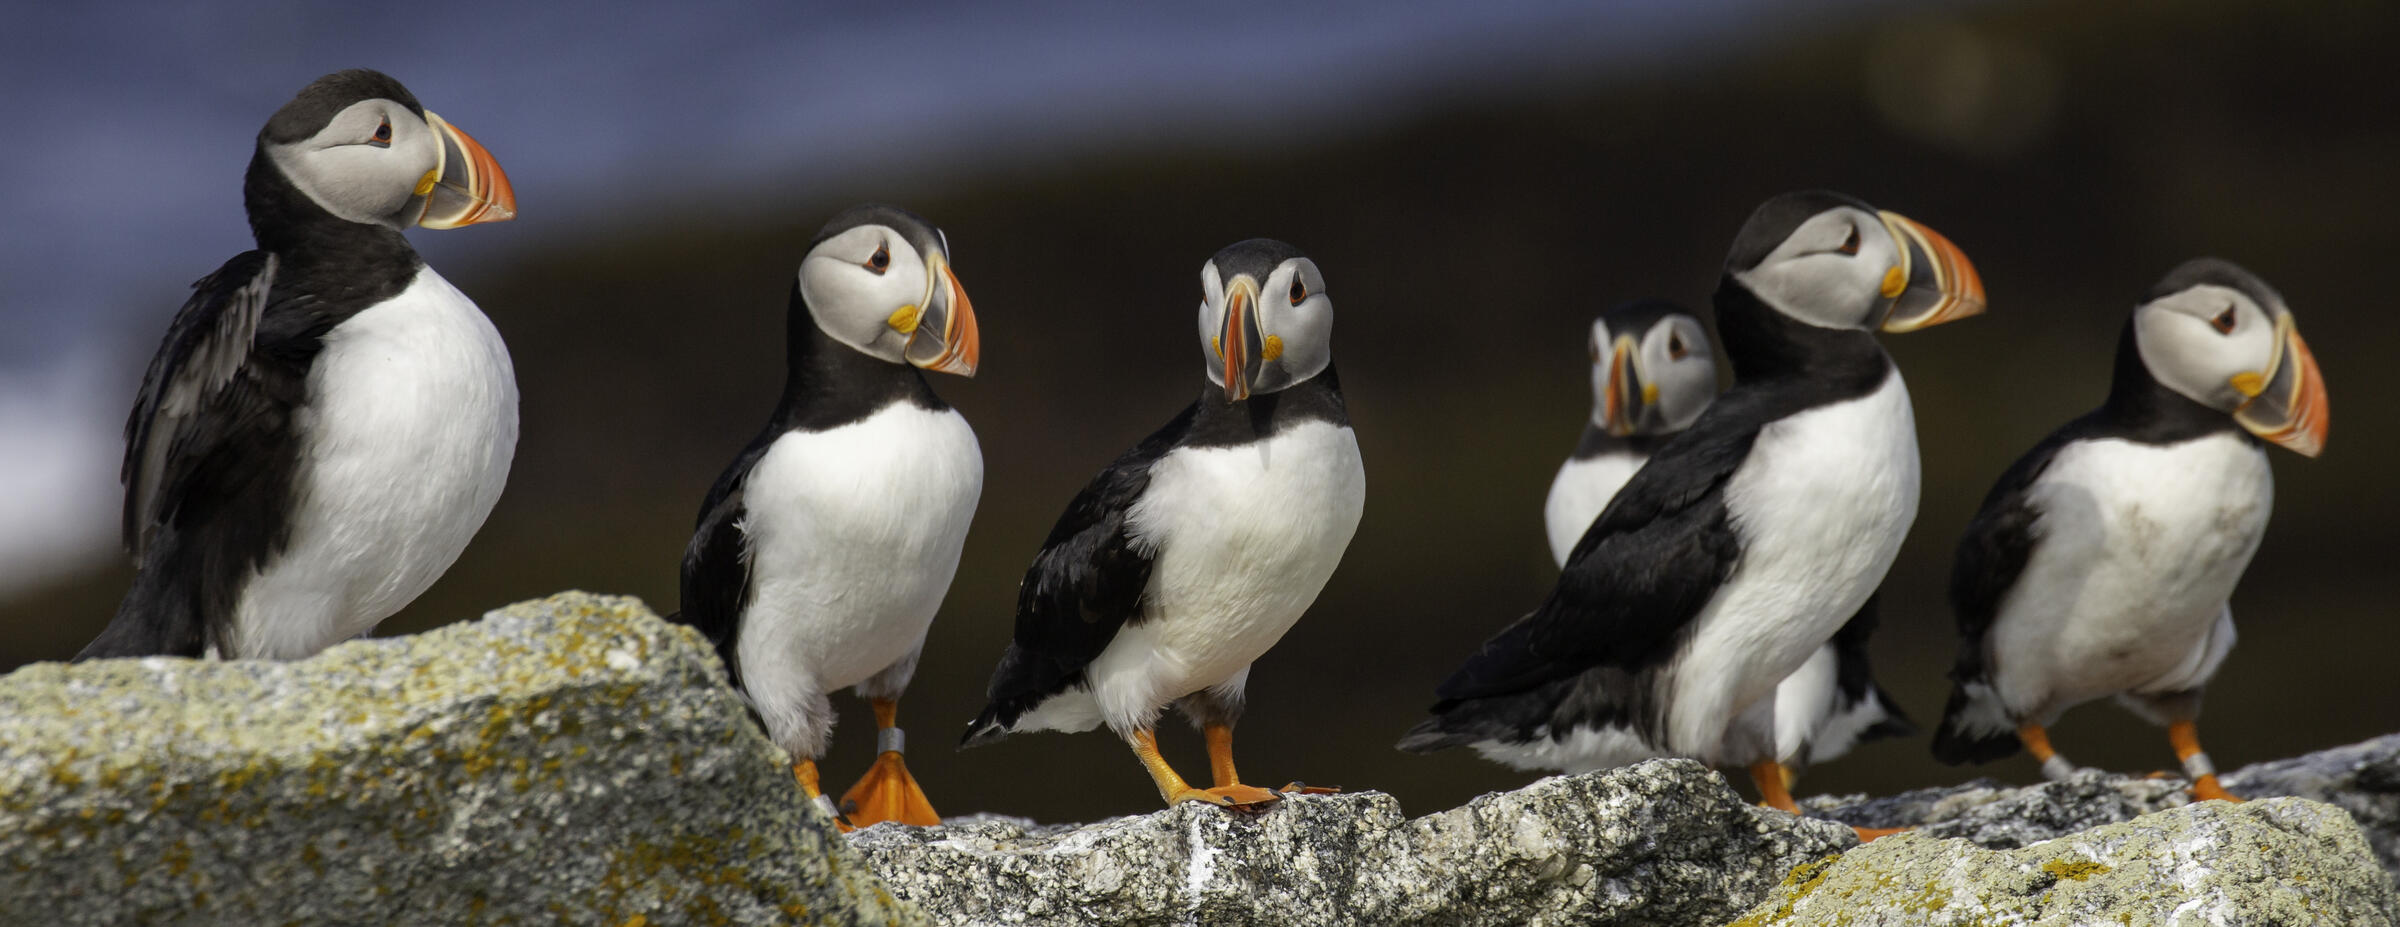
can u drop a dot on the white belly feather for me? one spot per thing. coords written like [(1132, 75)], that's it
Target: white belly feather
[(2140, 546), (854, 536), (408, 432), (1243, 538), (1579, 493), (1821, 505)]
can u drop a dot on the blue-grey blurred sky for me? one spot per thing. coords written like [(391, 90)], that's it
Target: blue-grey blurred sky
[(131, 123)]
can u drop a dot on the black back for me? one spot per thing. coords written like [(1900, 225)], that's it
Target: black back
[(827, 384), (1088, 580), (1658, 553), (211, 447), (2000, 539)]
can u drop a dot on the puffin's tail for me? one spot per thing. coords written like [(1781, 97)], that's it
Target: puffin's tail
[(159, 616), (1975, 726), (1462, 722)]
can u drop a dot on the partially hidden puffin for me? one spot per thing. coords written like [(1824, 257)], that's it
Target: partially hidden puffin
[(327, 421), (1748, 539), (2101, 562), (1194, 552), (823, 551), (1652, 373)]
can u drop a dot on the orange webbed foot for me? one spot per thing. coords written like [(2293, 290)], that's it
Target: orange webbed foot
[(888, 793)]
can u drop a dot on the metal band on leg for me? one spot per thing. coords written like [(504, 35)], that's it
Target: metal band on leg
[(890, 740), (2057, 769), (2197, 766)]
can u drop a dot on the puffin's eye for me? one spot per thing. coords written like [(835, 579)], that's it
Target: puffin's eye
[(882, 260), (383, 135), (2224, 321), (1850, 244), (1299, 290), (1675, 348)]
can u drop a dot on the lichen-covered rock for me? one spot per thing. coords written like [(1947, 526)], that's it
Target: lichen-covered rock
[(572, 760), (2362, 778), (2279, 861), (1664, 842)]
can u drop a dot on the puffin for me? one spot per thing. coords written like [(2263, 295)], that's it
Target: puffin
[(1748, 539), (1652, 373), (823, 551), (1192, 554), (2101, 562), (327, 421)]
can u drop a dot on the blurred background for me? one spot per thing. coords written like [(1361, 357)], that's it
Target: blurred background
[(1477, 179)]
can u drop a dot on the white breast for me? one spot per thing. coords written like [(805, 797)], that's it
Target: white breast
[(1243, 538), (1578, 494), (406, 438), (854, 535), (2140, 546), (1821, 505)]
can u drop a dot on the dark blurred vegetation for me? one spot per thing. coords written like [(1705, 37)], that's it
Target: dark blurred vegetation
[(2076, 151)]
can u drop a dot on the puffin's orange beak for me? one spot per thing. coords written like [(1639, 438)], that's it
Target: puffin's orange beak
[(1238, 339), (468, 187), (946, 339), (2287, 404), (1934, 283)]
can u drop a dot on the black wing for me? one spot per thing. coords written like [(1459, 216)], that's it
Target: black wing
[(204, 351), (208, 462), (716, 564), (1854, 674), (1642, 572), (1993, 551), (1085, 585)]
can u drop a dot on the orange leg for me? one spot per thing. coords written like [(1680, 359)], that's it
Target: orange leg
[(1176, 791), (2037, 742), (2186, 737), (887, 792), (1768, 776), (805, 773)]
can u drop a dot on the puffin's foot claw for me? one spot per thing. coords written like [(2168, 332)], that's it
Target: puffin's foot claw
[(888, 793), (1238, 797), (1298, 787)]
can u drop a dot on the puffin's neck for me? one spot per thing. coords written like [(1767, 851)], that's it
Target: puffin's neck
[(1765, 345), (302, 235), (828, 384), (1222, 423), (2140, 405), (1597, 442)]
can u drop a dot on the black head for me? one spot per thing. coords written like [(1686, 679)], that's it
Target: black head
[(1266, 322), (878, 279), (357, 146), (2223, 338), (1834, 262)]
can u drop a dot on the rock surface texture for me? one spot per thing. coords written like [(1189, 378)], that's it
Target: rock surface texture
[(571, 760), (1660, 843), (2272, 862), (576, 760)]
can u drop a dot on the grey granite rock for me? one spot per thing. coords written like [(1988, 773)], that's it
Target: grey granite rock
[(572, 760), (2282, 861), (1664, 842)]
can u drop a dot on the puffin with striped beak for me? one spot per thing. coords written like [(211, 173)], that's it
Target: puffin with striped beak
[(1653, 372), (328, 421), (825, 548), (1748, 539), (2102, 561), (1195, 551)]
